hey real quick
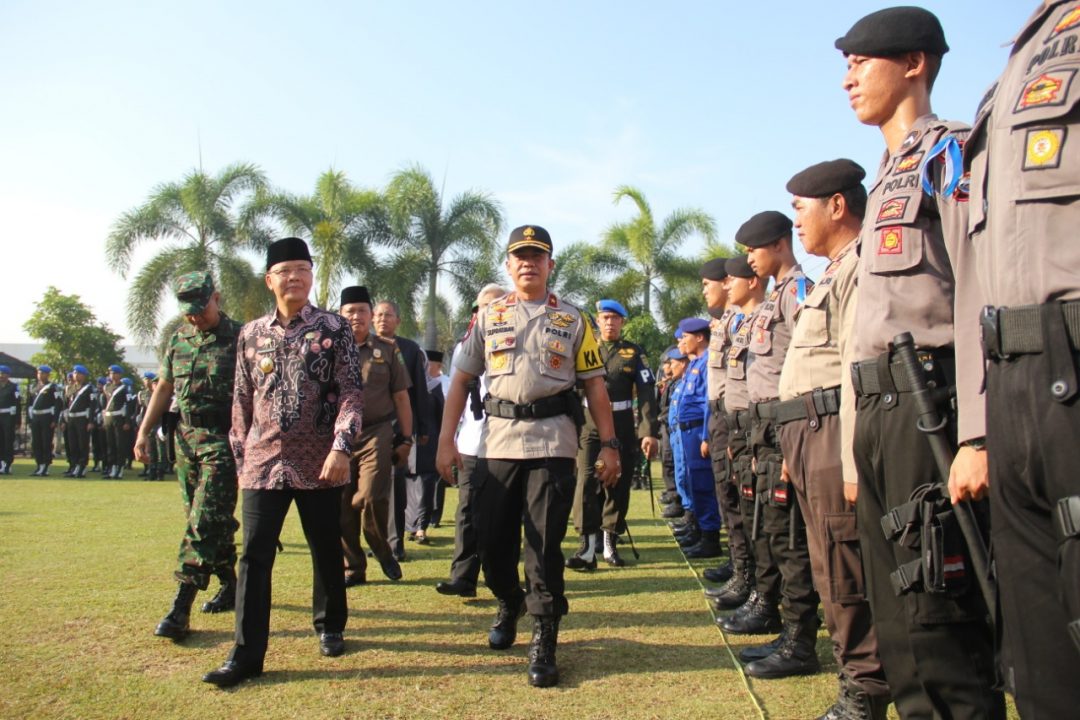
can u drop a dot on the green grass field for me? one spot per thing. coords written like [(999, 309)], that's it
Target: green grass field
[(86, 573)]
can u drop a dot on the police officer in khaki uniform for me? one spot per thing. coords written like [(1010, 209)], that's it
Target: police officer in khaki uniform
[(714, 290), (1024, 158), (533, 348), (598, 509), (768, 236), (365, 501), (829, 201), (745, 291), (936, 648)]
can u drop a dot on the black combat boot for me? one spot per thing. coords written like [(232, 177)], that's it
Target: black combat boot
[(175, 625), (758, 616), (668, 496), (611, 550), (80, 471), (853, 703), (585, 557), (673, 510), (720, 574), (757, 652), (225, 600), (542, 669), (70, 472), (735, 591), (504, 629), (797, 654), (708, 546)]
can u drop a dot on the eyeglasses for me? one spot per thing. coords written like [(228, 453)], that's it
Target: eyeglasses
[(285, 273)]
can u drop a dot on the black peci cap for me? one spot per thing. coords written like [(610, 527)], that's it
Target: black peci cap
[(714, 269), (763, 229), (529, 236), (355, 294), (826, 179), (286, 249), (895, 31), (739, 266)]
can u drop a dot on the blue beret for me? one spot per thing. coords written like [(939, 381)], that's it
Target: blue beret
[(116, 369), (611, 306), (81, 369), (674, 353), (126, 381), (150, 375), (5, 369), (102, 381), (693, 325), (678, 334), (44, 368)]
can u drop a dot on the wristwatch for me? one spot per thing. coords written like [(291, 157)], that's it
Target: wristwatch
[(613, 443)]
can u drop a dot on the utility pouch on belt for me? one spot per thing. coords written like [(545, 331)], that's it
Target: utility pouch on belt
[(928, 524), (779, 492)]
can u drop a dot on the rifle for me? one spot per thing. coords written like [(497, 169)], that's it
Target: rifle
[(932, 424)]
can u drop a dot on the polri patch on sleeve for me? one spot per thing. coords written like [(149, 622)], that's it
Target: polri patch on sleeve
[(1043, 148)]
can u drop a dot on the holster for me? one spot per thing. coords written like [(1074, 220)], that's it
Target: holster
[(927, 524)]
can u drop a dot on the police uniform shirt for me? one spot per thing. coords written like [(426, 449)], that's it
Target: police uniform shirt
[(1023, 196), (912, 243), (771, 326), (81, 403), (719, 342), (736, 394), (529, 351), (627, 371), (48, 397), (9, 398), (382, 368)]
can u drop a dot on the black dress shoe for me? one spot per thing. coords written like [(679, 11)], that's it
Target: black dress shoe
[(331, 644), (356, 578), (231, 673), (757, 652), (456, 587), (390, 568)]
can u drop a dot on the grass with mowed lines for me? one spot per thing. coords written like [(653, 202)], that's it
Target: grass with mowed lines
[(86, 573)]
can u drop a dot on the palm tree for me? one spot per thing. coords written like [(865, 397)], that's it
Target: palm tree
[(585, 273), (459, 240), (337, 220), (651, 251), (197, 221)]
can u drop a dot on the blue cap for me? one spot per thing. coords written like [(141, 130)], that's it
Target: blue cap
[(678, 333), (611, 306), (116, 369), (150, 375), (674, 353), (102, 381), (127, 381), (44, 369), (5, 369), (693, 325), (81, 369)]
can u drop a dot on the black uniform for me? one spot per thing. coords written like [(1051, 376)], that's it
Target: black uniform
[(80, 413), (43, 413), (117, 413), (10, 413)]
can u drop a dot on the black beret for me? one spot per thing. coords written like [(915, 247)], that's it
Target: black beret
[(739, 266), (355, 294), (286, 249), (714, 269), (434, 355), (826, 178), (529, 236), (763, 229), (895, 31)]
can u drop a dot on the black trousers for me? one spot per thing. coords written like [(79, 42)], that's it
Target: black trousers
[(536, 494), (727, 490), (597, 507), (264, 513), (399, 499), (465, 567), (1032, 440), (77, 437), (116, 436), (937, 651), (7, 439), (667, 460), (41, 439)]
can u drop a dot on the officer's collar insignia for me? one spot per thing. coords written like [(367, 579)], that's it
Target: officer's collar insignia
[(910, 140), (908, 163), (553, 301), (1046, 90), (1068, 21), (511, 299)]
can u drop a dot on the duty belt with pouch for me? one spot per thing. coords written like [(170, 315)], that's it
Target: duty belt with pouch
[(207, 420), (927, 524), (1018, 331), (885, 376), (565, 403), (825, 402), (83, 414)]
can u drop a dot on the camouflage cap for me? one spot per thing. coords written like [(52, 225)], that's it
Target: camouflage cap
[(193, 291)]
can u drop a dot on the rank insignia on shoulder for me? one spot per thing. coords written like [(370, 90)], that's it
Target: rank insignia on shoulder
[(1068, 21), (892, 241), (561, 319), (1050, 88), (910, 140), (1044, 148), (626, 353)]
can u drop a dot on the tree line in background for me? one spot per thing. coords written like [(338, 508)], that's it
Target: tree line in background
[(404, 242)]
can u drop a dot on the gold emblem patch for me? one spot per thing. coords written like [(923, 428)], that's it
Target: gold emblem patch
[(499, 361), (1043, 90), (561, 319), (1070, 20), (1044, 148), (909, 163)]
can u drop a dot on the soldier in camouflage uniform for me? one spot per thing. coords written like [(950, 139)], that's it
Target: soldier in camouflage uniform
[(199, 367)]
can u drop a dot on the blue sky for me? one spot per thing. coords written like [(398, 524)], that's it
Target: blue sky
[(548, 106)]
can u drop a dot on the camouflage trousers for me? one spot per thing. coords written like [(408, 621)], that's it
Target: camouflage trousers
[(207, 473)]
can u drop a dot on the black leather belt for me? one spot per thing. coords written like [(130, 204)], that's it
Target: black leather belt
[(763, 410), (738, 420), (1018, 331), (865, 378), (536, 410), (207, 420), (691, 424), (826, 402)]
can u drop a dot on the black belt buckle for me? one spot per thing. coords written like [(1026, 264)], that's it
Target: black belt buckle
[(990, 325)]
